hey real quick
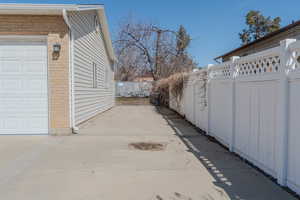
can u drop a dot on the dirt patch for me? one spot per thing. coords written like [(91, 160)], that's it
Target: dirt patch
[(132, 101), (147, 146)]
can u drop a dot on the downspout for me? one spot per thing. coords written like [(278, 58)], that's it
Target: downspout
[(71, 72)]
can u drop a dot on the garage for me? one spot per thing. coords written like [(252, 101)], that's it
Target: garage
[(23, 86), (52, 77)]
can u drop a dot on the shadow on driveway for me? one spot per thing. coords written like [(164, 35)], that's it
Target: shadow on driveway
[(239, 180)]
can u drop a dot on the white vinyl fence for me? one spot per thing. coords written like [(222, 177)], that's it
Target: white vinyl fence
[(253, 106), (133, 89)]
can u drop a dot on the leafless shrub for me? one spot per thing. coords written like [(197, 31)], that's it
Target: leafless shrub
[(173, 84), (162, 88), (176, 84)]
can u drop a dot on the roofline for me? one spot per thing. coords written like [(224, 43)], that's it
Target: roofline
[(261, 39), (17, 6), (106, 34), (10, 8)]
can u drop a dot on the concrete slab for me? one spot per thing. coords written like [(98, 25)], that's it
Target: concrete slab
[(98, 164)]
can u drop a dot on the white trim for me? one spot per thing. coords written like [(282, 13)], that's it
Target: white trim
[(106, 34), (61, 9), (72, 100), (71, 74), (70, 80), (17, 6), (25, 38), (48, 87), (65, 16), (43, 9)]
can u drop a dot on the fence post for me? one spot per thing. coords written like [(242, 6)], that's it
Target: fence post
[(208, 97), (233, 60), (283, 107)]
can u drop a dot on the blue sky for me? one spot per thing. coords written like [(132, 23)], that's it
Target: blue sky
[(214, 25)]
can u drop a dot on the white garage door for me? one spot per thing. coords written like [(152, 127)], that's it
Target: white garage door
[(23, 88)]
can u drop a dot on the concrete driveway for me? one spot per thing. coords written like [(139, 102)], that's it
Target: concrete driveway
[(97, 163)]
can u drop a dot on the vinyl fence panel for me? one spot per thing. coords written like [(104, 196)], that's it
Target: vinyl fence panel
[(293, 143), (133, 89), (251, 105)]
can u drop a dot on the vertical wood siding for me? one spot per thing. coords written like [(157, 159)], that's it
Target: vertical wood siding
[(89, 48)]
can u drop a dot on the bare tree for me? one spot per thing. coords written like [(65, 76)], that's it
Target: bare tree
[(129, 66), (146, 47)]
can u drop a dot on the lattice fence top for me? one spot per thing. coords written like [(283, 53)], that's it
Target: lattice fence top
[(221, 71), (295, 57), (262, 63), (266, 62), (258, 66), (296, 60)]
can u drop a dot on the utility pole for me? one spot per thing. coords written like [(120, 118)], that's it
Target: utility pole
[(157, 49)]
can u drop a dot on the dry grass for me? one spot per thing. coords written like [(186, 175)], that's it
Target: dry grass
[(132, 101), (174, 84)]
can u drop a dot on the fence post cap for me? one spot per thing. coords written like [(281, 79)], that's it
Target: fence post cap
[(285, 43), (234, 58), (210, 66)]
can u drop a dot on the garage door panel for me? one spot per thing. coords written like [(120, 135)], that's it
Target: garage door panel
[(40, 55), (20, 87), (15, 101), (11, 66), (8, 126), (35, 85), (11, 52), (9, 85), (23, 89), (19, 110), (33, 67), (11, 123)]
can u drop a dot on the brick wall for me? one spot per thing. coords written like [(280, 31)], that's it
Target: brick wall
[(56, 31)]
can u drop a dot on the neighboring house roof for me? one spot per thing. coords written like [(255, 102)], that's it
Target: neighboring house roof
[(286, 28), (60, 9)]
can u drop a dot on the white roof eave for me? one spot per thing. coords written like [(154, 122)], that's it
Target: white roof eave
[(16, 6), (59, 9), (106, 34)]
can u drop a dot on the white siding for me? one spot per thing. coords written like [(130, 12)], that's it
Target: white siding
[(89, 48)]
